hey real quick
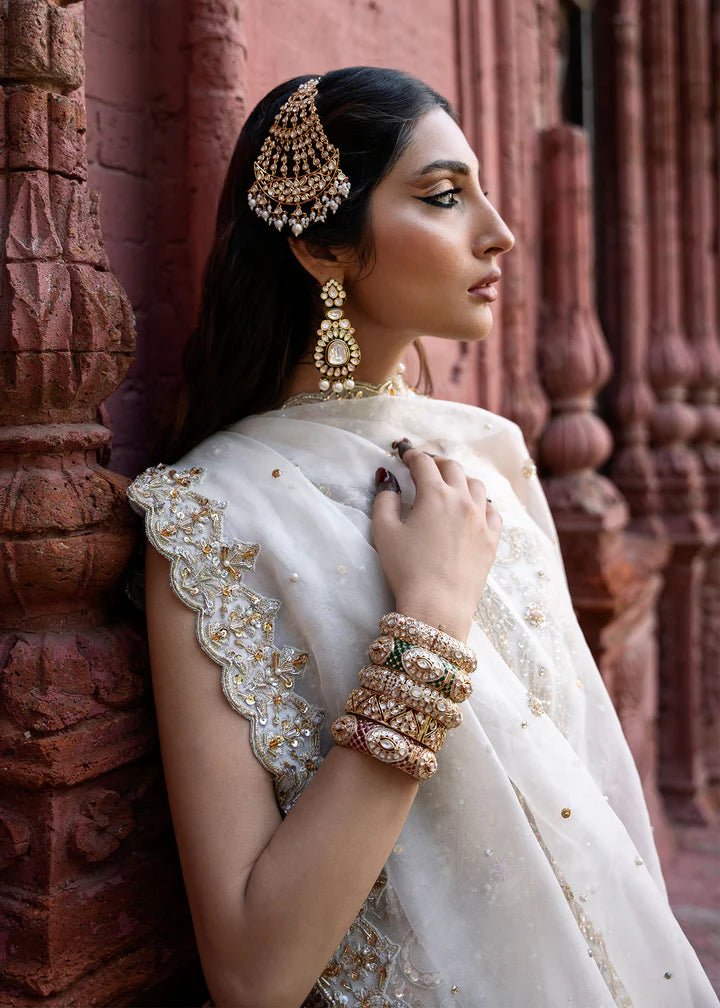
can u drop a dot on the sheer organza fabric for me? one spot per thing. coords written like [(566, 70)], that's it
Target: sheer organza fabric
[(526, 873)]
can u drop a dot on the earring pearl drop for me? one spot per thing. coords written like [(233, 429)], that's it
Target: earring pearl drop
[(336, 352)]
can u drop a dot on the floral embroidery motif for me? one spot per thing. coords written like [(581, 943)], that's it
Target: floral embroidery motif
[(522, 645), (235, 627), (357, 974)]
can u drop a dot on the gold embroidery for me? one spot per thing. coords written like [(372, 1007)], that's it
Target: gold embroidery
[(235, 627), (595, 941), (522, 643), (361, 962)]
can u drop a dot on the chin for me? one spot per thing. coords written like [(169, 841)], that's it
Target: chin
[(478, 333)]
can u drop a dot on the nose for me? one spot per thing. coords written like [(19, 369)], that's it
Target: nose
[(494, 236)]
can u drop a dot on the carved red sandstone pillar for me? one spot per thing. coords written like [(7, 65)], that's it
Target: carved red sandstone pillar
[(707, 446), (523, 399), (549, 42), (700, 216), (217, 87), (89, 906), (623, 297), (673, 424), (611, 576), (624, 306), (477, 104)]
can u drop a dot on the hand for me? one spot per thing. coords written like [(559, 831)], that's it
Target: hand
[(437, 560)]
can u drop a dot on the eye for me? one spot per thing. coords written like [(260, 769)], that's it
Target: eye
[(438, 199)]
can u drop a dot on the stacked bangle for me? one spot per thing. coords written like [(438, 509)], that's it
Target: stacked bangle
[(414, 631), (395, 714), (384, 744), (420, 698), (408, 698), (422, 665)]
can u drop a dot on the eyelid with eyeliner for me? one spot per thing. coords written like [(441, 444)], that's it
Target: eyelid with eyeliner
[(446, 192)]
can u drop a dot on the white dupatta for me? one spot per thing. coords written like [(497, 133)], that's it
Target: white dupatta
[(526, 875)]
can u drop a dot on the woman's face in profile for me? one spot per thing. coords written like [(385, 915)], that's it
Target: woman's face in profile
[(436, 236)]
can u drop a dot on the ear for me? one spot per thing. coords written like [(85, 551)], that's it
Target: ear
[(323, 262), (320, 262)]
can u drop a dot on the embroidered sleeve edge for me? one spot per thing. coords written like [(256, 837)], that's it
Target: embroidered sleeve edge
[(234, 625)]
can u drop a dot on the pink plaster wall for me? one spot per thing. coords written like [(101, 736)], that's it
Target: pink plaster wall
[(136, 100), (138, 126)]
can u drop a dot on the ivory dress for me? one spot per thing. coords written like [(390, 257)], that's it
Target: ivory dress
[(526, 873)]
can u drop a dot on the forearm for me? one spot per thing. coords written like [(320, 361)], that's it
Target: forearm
[(312, 878)]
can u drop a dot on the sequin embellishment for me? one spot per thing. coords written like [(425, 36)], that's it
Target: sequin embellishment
[(537, 648), (597, 949), (235, 625)]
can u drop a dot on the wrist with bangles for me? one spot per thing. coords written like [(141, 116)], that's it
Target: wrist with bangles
[(408, 698)]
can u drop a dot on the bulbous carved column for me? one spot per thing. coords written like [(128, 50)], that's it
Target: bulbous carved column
[(698, 24), (706, 396), (613, 576), (674, 424), (523, 398), (623, 295), (83, 892)]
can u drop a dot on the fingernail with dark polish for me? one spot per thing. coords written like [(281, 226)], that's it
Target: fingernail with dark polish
[(387, 482), (380, 475), (403, 445)]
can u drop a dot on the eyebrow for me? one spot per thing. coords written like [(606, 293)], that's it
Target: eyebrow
[(442, 164)]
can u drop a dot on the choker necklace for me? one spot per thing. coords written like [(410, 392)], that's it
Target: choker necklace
[(394, 386)]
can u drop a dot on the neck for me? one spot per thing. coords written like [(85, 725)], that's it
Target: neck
[(380, 360)]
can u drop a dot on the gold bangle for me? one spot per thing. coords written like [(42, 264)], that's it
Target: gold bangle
[(385, 710), (414, 631), (421, 698), (422, 665), (384, 744)]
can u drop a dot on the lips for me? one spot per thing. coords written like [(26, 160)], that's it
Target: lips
[(486, 281)]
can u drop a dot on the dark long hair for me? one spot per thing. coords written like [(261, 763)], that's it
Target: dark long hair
[(259, 306)]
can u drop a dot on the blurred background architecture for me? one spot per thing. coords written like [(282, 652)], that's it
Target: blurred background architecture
[(598, 129)]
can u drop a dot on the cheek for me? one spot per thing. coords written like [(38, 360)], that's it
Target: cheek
[(416, 256), (417, 243)]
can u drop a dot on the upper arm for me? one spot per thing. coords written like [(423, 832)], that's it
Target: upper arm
[(221, 798)]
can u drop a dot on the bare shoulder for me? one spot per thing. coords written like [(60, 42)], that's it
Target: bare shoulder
[(221, 798)]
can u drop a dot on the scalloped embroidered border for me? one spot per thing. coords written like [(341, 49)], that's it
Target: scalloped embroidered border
[(257, 676), (234, 625)]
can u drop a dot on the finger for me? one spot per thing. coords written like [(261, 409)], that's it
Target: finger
[(386, 506), (423, 469), (452, 472), (494, 518), (478, 491)]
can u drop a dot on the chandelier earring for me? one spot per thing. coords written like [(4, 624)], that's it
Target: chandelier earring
[(336, 352)]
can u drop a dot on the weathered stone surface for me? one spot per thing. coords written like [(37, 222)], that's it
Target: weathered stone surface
[(83, 823)]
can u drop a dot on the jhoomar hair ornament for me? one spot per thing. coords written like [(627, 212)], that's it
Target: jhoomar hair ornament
[(297, 135)]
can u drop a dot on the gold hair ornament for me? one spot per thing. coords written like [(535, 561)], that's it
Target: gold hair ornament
[(315, 176)]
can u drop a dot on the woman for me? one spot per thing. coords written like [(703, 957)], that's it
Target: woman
[(332, 854)]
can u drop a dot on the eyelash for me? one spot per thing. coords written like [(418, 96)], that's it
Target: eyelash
[(432, 200)]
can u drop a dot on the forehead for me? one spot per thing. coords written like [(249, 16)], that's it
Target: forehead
[(436, 136)]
